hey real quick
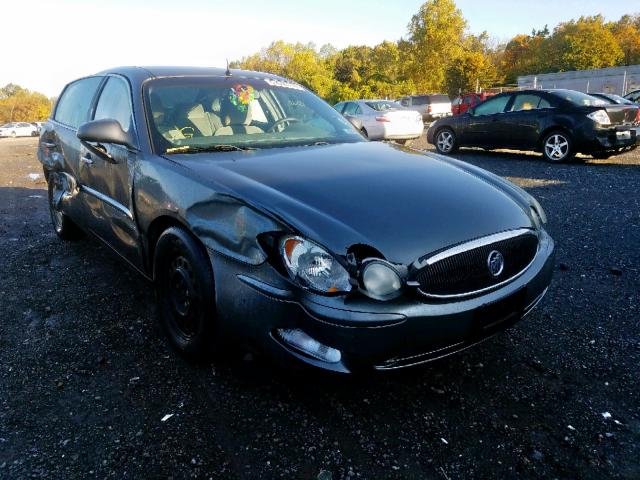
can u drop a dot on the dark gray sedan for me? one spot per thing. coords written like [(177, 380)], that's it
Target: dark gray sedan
[(265, 219)]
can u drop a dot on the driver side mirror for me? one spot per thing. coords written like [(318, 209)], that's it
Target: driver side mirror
[(104, 131)]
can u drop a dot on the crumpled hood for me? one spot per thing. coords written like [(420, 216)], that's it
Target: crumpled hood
[(404, 203)]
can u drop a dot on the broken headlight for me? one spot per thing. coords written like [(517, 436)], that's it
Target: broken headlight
[(313, 267)]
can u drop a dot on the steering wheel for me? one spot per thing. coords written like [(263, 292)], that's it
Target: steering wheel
[(272, 128)]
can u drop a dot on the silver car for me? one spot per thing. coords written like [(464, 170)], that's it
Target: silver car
[(382, 119), (432, 106)]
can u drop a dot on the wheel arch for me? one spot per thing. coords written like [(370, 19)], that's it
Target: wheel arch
[(553, 128), (157, 226)]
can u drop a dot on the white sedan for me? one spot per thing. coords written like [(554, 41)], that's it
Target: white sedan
[(382, 119), (18, 129)]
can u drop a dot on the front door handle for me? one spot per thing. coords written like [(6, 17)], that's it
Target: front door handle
[(86, 161)]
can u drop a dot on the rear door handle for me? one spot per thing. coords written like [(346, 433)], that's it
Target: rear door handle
[(86, 161)]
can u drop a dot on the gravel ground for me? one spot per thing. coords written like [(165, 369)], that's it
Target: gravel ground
[(87, 380)]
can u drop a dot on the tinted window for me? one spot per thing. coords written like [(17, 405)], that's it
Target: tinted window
[(420, 100), (351, 109), (114, 103), (528, 102), (75, 102), (339, 107), (495, 105), (439, 99), (579, 98)]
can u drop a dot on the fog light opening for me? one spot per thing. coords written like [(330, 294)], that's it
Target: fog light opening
[(299, 340)]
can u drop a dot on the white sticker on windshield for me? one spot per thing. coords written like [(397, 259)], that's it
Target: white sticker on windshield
[(279, 83)]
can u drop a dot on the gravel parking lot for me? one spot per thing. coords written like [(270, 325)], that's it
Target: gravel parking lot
[(89, 388)]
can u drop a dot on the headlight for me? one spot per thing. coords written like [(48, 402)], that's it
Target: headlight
[(380, 280), (313, 267), (600, 116)]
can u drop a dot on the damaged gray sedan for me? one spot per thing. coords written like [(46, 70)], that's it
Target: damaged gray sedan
[(266, 220)]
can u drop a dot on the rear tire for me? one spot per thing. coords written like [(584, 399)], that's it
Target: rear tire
[(64, 227), (185, 293), (13, 134), (446, 141), (557, 147)]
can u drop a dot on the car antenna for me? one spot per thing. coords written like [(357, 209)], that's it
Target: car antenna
[(228, 72)]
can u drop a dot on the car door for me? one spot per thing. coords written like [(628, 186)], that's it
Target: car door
[(480, 130), (59, 147), (520, 125), (106, 175)]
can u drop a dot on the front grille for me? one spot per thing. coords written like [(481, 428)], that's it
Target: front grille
[(466, 271)]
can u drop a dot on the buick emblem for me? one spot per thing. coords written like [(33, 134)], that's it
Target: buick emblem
[(495, 262)]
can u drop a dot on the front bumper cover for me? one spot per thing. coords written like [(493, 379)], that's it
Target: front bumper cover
[(255, 301)]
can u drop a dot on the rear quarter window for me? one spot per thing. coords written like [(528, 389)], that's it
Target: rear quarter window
[(439, 99), (74, 104)]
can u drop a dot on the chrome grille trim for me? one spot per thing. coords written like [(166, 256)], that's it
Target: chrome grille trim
[(471, 245)]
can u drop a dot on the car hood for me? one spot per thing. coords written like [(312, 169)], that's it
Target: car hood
[(402, 202)]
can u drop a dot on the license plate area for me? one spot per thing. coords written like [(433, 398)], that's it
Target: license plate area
[(501, 311), (624, 135)]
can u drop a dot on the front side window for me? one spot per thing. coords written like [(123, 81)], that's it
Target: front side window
[(199, 113), (74, 104), (115, 103), (492, 106), (351, 109)]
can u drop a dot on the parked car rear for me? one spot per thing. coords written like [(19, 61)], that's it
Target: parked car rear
[(382, 119), (559, 123), (464, 102), (18, 129), (431, 106)]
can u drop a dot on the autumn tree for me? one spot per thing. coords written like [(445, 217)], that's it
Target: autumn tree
[(581, 44), (436, 36), (21, 105), (627, 33)]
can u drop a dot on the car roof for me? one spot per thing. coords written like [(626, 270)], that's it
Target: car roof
[(138, 72)]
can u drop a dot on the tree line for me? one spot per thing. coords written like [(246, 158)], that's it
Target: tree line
[(438, 54), (18, 104)]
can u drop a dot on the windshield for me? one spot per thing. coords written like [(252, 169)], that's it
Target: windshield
[(384, 105), (8, 125), (579, 98), (199, 113)]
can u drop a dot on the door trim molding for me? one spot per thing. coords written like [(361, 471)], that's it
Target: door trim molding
[(107, 199)]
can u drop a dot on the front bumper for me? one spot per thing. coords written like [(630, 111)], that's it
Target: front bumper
[(254, 302)]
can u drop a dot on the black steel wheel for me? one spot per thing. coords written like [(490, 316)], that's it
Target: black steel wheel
[(185, 292)]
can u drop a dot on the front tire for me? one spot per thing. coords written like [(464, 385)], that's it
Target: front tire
[(64, 227), (446, 141), (557, 147), (185, 292)]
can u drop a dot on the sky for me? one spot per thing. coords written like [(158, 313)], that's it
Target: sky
[(50, 42)]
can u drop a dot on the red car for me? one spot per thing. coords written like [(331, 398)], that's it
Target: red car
[(464, 102)]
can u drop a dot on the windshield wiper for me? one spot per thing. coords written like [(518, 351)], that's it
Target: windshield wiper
[(208, 148)]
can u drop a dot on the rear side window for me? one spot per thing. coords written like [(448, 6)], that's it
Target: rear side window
[(75, 102), (528, 102), (352, 109), (495, 105), (420, 100), (439, 99), (115, 103)]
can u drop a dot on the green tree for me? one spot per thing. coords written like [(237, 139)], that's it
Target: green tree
[(436, 37), (581, 44)]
